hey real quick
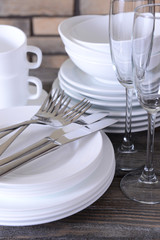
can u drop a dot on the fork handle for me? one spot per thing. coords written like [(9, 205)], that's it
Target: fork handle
[(7, 143), (9, 129), (12, 127)]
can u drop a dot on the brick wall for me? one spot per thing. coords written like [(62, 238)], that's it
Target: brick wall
[(39, 19)]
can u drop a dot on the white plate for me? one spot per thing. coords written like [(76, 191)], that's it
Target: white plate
[(45, 218), (94, 99), (116, 111), (57, 170), (57, 214), (79, 79), (108, 96), (138, 113), (70, 202), (34, 206), (85, 84)]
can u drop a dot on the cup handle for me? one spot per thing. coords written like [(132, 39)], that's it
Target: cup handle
[(38, 52), (38, 83)]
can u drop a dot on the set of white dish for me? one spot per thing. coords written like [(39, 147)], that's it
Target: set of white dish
[(108, 97), (89, 72), (55, 185)]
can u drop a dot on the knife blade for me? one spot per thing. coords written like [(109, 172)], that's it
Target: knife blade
[(51, 143)]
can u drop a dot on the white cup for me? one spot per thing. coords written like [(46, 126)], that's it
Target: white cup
[(14, 91), (13, 51), (14, 67)]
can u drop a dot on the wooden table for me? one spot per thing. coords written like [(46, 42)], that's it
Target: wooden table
[(113, 216)]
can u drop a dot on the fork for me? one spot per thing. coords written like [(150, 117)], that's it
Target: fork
[(58, 117), (49, 109)]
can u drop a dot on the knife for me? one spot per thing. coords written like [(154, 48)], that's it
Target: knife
[(58, 138)]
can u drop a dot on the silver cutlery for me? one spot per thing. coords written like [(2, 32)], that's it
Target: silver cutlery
[(58, 138), (85, 120), (54, 114)]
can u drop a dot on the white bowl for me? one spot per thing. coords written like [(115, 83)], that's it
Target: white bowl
[(92, 33), (101, 70), (64, 30)]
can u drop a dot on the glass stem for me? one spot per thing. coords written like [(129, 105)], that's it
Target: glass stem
[(127, 144), (148, 174)]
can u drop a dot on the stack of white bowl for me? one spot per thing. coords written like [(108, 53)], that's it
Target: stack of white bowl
[(85, 40), (89, 71)]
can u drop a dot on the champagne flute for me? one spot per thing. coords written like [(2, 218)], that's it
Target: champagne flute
[(120, 31), (144, 186)]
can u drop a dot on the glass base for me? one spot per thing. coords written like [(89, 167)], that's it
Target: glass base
[(129, 160), (135, 188)]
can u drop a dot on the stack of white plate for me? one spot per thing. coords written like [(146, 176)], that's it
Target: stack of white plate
[(55, 185), (109, 96), (89, 72)]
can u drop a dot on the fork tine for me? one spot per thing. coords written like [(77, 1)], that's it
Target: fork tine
[(55, 106), (75, 106), (73, 118), (82, 112), (78, 110), (53, 100), (46, 100), (49, 99), (85, 104), (65, 104)]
